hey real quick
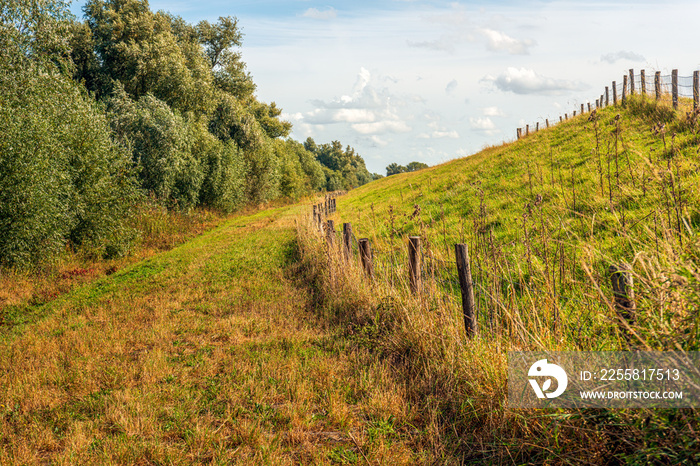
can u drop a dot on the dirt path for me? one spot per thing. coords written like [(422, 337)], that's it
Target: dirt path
[(209, 353)]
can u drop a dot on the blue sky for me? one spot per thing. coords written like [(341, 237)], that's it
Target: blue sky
[(404, 80)]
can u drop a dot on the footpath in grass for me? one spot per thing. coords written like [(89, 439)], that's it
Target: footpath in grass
[(209, 353)]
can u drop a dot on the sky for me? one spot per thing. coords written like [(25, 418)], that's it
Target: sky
[(431, 81)]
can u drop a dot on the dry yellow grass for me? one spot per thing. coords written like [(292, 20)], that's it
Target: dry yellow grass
[(209, 353)]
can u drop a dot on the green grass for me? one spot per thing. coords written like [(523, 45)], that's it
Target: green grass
[(544, 218)]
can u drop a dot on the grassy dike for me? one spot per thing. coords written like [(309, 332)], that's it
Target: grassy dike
[(544, 218), (209, 353)]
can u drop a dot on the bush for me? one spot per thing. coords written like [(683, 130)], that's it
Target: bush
[(160, 146), (61, 177)]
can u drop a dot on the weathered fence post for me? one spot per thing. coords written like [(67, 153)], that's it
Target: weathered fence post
[(366, 256), (657, 84), (624, 89), (330, 233), (466, 286), (537, 126), (589, 106), (527, 130), (574, 112), (597, 102), (643, 81), (614, 87), (347, 239), (674, 88), (582, 110), (519, 132), (566, 116), (607, 96), (546, 122), (560, 119), (631, 81), (622, 285), (696, 89), (414, 265)]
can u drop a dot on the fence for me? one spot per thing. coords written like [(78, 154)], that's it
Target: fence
[(657, 85), (460, 281)]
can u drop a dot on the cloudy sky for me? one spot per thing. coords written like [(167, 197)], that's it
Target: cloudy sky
[(405, 80)]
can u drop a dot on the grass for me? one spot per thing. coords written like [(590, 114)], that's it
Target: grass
[(544, 218), (253, 343), (208, 353)]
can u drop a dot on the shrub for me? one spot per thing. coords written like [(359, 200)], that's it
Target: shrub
[(61, 177)]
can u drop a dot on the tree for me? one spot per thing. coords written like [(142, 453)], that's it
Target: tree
[(415, 166), (138, 49), (229, 70), (394, 169)]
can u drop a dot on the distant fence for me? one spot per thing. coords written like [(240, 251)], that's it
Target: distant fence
[(657, 85), (474, 288)]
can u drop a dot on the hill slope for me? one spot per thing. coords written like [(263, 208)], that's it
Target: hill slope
[(544, 218)]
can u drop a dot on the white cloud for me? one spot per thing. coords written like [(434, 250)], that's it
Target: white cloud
[(485, 125), (526, 81), (368, 110), (451, 86), (314, 13), (493, 112), (622, 55), (500, 42), (379, 142), (443, 44)]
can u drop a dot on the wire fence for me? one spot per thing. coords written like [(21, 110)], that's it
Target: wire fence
[(494, 293), (670, 86)]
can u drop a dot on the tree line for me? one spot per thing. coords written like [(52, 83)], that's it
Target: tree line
[(100, 113)]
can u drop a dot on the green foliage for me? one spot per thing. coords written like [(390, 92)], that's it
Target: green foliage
[(159, 142), (138, 49), (300, 173), (344, 169), (394, 168), (34, 33), (224, 172), (62, 179)]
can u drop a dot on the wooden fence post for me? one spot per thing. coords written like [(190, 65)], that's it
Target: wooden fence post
[(347, 239), (527, 130), (696, 89), (657, 84), (414, 265), (546, 122), (566, 116), (330, 233), (537, 126), (597, 102), (582, 110), (631, 81), (589, 106), (643, 81), (366, 256), (614, 87), (560, 119), (519, 132), (607, 96), (466, 286), (624, 89), (674, 88), (622, 285), (574, 112)]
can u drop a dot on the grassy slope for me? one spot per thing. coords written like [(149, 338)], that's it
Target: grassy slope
[(538, 222), (206, 353), (536, 254)]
